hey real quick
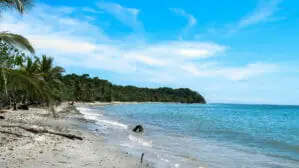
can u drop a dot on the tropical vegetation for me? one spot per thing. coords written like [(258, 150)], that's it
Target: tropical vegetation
[(85, 88), (34, 80)]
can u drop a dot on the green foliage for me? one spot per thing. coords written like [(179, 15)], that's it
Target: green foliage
[(84, 88), (22, 78), (16, 40)]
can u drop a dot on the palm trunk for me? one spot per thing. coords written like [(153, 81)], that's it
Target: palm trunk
[(5, 84), (24, 98), (15, 105), (5, 81), (14, 101)]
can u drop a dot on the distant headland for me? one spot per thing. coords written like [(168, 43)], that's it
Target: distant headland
[(86, 89)]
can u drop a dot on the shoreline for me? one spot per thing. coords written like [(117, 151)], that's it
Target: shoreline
[(20, 148), (97, 103)]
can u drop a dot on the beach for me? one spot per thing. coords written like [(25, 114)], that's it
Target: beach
[(175, 136), (21, 148)]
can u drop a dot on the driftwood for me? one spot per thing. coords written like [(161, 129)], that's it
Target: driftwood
[(10, 133), (23, 107), (42, 130)]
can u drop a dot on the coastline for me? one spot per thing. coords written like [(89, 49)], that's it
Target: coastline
[(97, 103), (20, 148)]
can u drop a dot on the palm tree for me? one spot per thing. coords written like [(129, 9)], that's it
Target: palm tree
[(20, 82), (51, 73), (21, 77), (15, 39)]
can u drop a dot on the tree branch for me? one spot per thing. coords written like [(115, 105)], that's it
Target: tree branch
[(41, 130)]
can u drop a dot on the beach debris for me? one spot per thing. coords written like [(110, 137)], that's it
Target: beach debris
[(11, 133), (23, 107), (72, 103), (40, 130), (2, 118), (138, 129)]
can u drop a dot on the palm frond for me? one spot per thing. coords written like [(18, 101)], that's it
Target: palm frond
[(57, 70), (46, 64), (16, 40), (19, 5), (31, 84)]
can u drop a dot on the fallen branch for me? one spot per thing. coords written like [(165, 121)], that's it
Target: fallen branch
[(2, 111), (41, 130), (11, 133)]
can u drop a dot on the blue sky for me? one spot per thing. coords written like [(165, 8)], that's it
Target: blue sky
[(230, 51)]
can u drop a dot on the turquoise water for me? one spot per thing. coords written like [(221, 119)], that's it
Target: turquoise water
[(213, 135)]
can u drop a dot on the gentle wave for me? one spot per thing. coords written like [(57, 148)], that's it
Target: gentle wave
[(88, 114), (173, 165), (113, 123)]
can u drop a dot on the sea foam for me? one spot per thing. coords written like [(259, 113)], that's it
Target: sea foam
[(88, 114), (141, 141)]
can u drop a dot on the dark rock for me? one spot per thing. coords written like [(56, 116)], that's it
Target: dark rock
[(138, 129), (23, 107), (2, 118)]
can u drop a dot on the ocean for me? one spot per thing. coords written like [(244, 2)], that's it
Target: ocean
[(203, 135)]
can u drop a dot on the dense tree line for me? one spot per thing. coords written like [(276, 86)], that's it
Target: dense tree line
[(85, 88)]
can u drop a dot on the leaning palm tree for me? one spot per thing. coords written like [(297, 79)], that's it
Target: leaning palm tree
[(11, 38)]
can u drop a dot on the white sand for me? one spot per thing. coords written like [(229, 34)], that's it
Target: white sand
[(49, 151)]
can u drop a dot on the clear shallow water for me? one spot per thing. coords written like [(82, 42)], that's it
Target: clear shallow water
[(214, 135)]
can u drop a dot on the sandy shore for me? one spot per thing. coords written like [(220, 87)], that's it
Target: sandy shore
[(20, 148)]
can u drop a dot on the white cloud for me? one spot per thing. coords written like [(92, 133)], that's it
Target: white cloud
[(91, 10), (231, 73), (191, 19), (128, 16), (62, 45), (262, 13)]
